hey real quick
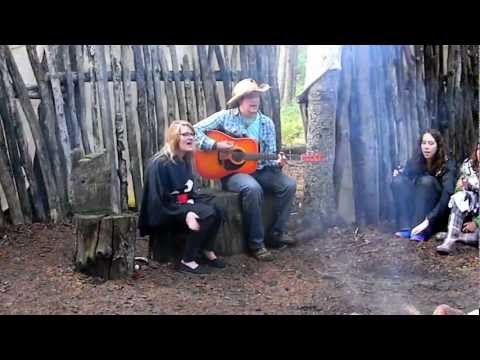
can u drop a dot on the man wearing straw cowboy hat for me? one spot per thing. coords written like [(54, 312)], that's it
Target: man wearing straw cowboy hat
[(243, 119)]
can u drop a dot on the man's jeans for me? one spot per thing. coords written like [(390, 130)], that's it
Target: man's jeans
[(251, 188)]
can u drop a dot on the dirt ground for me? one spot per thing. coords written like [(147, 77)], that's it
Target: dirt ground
[(345, 272), (342, 271)]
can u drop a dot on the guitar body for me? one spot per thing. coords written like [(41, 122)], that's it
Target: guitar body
[(210, 165)]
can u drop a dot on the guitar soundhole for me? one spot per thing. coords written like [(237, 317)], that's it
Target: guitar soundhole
[(237, 156), (235, 160)]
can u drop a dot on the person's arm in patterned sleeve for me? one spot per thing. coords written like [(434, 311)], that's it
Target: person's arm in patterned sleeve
[(270, 141), (212, 122)]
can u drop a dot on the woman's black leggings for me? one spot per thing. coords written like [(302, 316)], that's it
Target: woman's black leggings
[(414, 199), (204, 239)]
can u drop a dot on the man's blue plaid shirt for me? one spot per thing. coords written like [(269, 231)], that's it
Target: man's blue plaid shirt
[(232, 123)]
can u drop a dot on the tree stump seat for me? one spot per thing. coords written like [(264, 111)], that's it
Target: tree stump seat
[(165, 247), (105, 245)]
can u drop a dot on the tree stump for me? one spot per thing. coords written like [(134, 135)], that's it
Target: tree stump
[(105, 245), (231, 240)]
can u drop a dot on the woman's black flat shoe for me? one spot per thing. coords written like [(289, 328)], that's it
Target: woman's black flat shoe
[(217, 263), (199, 270)]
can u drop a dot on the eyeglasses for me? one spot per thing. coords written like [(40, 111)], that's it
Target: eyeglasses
[(187, 134)]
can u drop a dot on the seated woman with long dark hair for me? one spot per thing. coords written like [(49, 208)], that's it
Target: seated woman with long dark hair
[(464, 221), (171, 203), (423, 188)]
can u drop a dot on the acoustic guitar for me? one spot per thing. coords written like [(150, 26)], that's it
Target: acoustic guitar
[(242, 158)]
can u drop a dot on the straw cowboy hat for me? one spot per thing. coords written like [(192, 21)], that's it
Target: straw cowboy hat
[(245, 87)]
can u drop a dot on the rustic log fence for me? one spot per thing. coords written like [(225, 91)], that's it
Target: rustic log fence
[(115, 99)]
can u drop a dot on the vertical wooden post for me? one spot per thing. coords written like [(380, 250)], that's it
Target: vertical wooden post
[(41, 149), (208, 84), (191, 109), (146, 146), (119, 130), (158, 97), (225, 70), (151, 120), (135, 158), (59, 166), (82, 106), (107, 126), (10, 120), (8, 185), (76, 136), (178, 85), (63, 137), (98, 141), (199, 94), (168, 84)]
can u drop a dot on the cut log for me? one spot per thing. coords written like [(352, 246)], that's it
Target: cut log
[(105, 245)]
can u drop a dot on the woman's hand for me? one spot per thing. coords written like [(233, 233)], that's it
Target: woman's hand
[(191, 220), (469, 227), (282, 160), (420, 227), (396, 172)]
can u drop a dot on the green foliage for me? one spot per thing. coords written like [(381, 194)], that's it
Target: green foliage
[(292, 125)]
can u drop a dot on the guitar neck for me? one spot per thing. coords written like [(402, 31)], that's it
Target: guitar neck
[(260, 156)]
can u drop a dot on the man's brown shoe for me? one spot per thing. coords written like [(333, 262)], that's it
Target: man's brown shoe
[(262, 254)]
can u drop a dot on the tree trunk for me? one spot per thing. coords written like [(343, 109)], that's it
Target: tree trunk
[(322, 103), (343, 172), (105, 245)]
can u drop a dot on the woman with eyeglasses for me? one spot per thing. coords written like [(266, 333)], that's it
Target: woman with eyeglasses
[(171, 203)]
